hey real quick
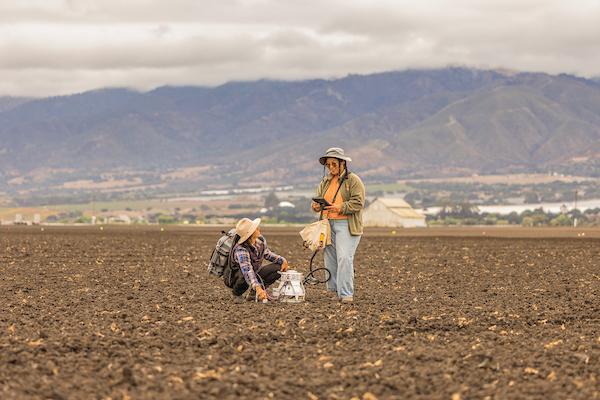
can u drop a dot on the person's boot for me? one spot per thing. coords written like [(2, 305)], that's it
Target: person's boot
[(236, 298), (251, 295)]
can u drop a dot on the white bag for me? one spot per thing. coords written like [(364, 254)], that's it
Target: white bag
[(316, 235)]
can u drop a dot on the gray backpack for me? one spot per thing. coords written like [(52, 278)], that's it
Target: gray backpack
[(220, 258)]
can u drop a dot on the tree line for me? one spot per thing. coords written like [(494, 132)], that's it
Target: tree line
[(465, 213)]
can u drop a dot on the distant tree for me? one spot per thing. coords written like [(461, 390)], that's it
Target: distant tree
[(165, 219), (527, 221), (428, 201), (51, 218), (538, 211), (153, 217), (461, 210), (412, 198), (447, 208), (283, 217), (531, 198), (561, 220), (525, 214), (575, 213), (514, 218), (540, 219), (466, 210), (491, 219), (452, 221), (271, 201)]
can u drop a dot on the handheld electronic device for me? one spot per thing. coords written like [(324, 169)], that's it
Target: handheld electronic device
[(321, 201)]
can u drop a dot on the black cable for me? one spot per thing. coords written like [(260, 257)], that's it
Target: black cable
[(310, 277)]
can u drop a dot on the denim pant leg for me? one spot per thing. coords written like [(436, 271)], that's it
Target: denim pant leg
[(330, 255), (339, 258)]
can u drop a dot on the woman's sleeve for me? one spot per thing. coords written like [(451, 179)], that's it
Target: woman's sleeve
[(320, 193), (269, 255), (356, 201), (274, 258)]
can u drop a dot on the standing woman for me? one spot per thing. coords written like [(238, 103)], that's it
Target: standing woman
[(346, 194)]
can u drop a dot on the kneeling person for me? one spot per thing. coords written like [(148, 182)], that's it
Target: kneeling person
[(249, 253)]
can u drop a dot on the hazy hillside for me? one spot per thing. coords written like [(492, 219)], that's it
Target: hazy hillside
[(7, 102), (433, 121), (531, 122)]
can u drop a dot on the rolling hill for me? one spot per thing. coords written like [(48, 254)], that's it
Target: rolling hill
[(427, 122)]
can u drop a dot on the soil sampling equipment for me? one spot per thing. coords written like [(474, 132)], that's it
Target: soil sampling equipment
[(291, 283), (291, 287)]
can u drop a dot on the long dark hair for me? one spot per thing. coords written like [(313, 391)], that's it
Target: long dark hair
[(246, 243)]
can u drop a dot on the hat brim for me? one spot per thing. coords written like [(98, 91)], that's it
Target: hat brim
[(323, 159), (253, 227)]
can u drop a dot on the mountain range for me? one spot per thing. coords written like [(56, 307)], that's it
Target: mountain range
[(394, 125)]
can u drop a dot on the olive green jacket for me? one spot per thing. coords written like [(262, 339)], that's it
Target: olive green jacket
[(353, 195)]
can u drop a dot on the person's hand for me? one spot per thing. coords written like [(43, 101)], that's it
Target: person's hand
[(316, 206), (336, 208), (284, 266), (261, 293)]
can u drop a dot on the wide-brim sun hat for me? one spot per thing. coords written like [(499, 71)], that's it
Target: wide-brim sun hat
[(245, 228), (334, 152)]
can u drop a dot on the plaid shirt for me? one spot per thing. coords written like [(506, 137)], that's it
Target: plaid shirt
[(242, 257)]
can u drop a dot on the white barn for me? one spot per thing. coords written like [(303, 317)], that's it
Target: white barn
[(392, 213)]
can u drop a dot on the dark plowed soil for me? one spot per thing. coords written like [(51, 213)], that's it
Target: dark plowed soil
[(131, 313)]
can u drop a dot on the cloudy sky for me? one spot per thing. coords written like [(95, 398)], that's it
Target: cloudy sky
[(53, 47)]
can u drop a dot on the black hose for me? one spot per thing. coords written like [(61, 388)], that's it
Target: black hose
[(310, 277)]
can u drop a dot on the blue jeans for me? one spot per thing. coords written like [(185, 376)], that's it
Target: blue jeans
[(339, 258)]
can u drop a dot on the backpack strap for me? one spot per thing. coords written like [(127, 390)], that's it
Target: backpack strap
[(234, 244)]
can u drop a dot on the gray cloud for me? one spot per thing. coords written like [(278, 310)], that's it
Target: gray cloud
[(54, 47)]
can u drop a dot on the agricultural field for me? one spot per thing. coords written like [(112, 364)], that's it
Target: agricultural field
[(131, 313)]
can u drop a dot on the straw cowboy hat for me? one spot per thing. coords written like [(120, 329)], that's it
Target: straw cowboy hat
[(245, 228), (334, 152)]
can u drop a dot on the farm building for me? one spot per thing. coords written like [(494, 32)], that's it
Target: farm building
[(393, 213)]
